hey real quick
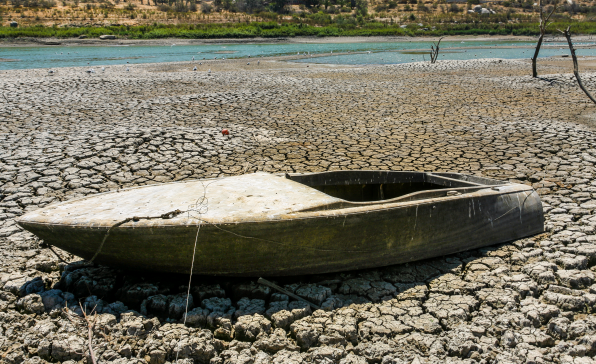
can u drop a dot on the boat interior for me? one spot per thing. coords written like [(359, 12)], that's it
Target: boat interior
[(372, 186)]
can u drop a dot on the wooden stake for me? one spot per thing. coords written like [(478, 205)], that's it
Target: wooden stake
[(286, 292)]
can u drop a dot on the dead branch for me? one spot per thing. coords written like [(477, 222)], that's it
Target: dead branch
[(278, 288), (542, 25), (90, 325), (434, 51), (575, 65)]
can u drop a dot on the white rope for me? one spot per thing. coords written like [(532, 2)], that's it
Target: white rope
[(200, 207), (192, 264)]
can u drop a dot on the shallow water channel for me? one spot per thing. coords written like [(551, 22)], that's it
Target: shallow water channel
[(344, 53)]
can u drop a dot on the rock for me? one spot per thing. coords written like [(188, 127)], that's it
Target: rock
[(88, 281), (14, 283), (68, 348), (249, 307), (248, 328), (31, 304), (276, 306), (313, 293), (157, 357), (53, 299), (326, 354), (279, 297), (590, 343), (282, 319), (156, 305), (105, 322), (331, 303), (125, 351), (94, 304), (201, 347), (117, 308), (542, 272), (572, 262), (510, 339), (107, 36), (223, 327), (262, 358), (133, 295), (201, 293), (451, 310), (538, 313), (217, 304), (178, 304), (557, 327), (35, 285), (110, 355), (374, 352), (575, 279), (287, 357), (306, 332), (275, 342), (197, 317), (565, 298), (353, 359)]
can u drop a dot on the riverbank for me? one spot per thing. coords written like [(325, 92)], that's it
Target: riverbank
[(33, 42), (288, 30)]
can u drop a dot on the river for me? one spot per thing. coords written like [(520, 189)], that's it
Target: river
[(343, 53)]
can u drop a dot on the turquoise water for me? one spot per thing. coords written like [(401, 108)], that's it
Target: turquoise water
[(359, 53)]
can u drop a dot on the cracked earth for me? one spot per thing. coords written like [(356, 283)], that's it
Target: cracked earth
[(74, 134)]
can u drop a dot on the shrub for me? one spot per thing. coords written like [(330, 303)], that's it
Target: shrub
[(180, 7), (206, 8)]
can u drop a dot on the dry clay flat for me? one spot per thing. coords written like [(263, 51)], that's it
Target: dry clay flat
[(274, 225)]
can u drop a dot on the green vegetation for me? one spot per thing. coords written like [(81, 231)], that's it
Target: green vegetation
[(273, 29)]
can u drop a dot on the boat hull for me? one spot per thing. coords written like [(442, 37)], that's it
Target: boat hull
[(315, 242)]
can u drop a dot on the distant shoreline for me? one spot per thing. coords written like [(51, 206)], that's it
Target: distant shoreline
[(28, 42)]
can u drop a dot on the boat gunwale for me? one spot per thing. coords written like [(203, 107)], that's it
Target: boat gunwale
[(275, 174), (483, 191)]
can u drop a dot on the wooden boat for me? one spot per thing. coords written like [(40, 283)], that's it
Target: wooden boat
[(273, 225)]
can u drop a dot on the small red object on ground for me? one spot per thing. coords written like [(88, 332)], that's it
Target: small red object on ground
[(225, 132)]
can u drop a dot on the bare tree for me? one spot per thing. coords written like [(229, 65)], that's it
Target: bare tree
[(542, 27), (434, 51), (575, 66)]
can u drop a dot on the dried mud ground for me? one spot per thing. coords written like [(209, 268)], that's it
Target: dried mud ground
[(73, 134)]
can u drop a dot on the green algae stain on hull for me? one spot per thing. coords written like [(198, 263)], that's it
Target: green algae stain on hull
[(469, 213)]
